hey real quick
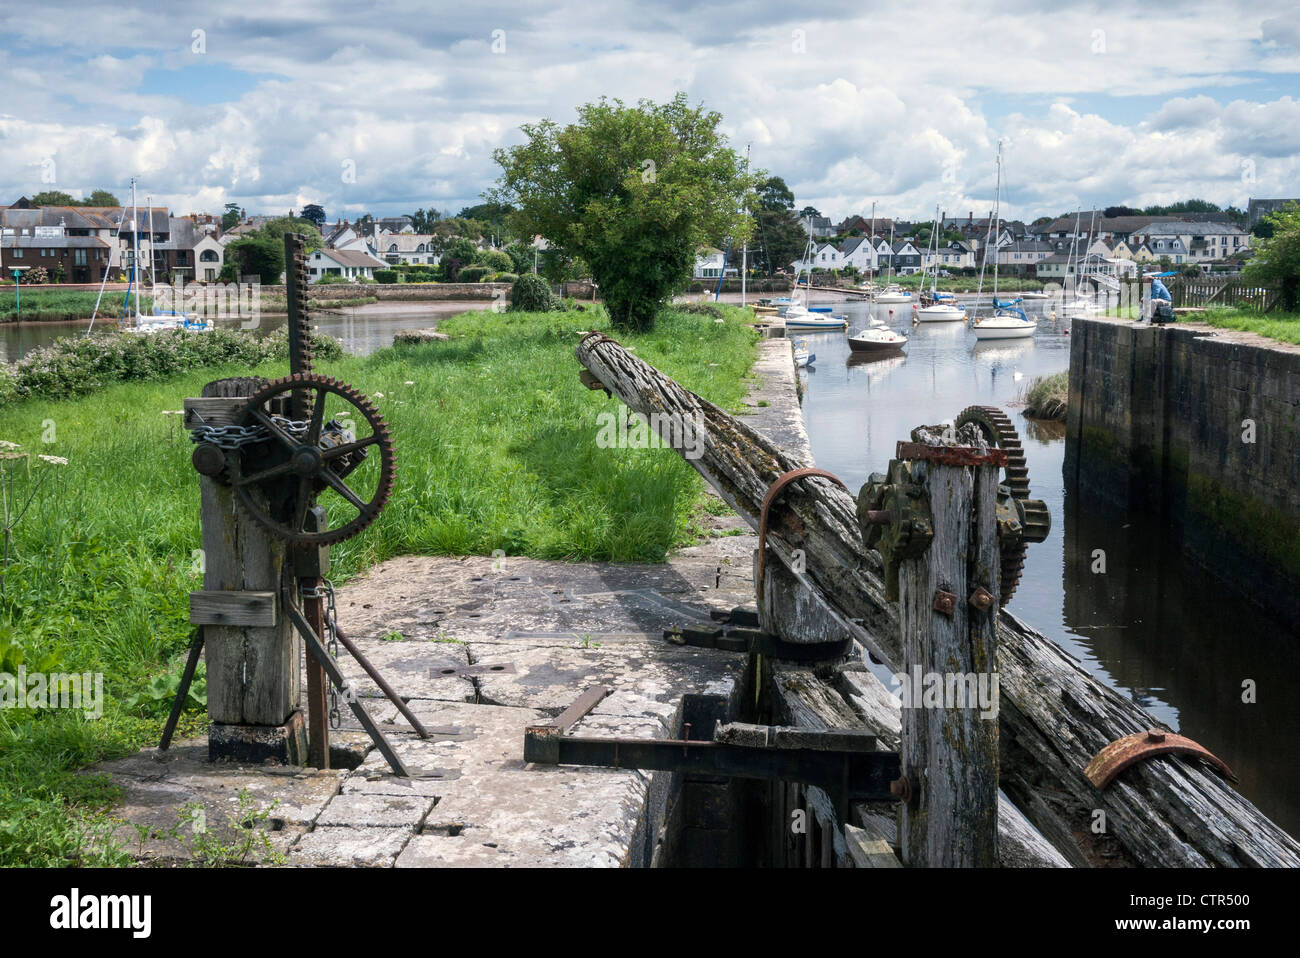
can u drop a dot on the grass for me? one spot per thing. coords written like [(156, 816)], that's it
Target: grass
[(1047, 397), (1284, 327), (496, 450), (51, 305)]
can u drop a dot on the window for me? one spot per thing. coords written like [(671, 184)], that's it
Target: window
[(79, 257), (18, 253)]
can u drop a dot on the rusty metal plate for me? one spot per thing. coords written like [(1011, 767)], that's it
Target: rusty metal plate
[(951, 455), (1131, 749)]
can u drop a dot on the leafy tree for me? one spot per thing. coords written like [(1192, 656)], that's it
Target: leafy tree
[(1111, 212), (809, 211), (773, 194), (276, 228), (315, 214), (462, 249), (521, 257), (494, 259), (423, 221), (230, 218), (103, 198), (54, 198), (633, 191), (780, 239), (259, 254), (1277, 257), (492, 215)]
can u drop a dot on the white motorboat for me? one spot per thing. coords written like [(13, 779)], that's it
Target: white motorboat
[(802, 356), (800, 317), (1081, 304), (1004, 324), (1033, 295), (893, 293), (939, 313), (876, 338)]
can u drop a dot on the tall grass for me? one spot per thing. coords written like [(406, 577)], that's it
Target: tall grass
[(1280, 326), (496, 450), (57, 304)]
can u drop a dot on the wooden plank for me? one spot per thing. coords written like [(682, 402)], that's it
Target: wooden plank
[(866, 852), (212, 410), (232, 608)]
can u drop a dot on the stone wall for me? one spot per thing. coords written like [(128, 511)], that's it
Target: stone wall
[(386, 292), (1201, 428)]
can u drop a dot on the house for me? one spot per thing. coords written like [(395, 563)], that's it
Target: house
[(905, 257), (350, 264), (1196, 242), (956, 255), (863, 225), (1022, 253), (1256, 210), (407, 247), (817, 226), (859, 253), (710, 263)]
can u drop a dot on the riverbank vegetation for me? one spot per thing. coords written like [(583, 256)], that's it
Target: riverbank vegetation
[(53, 305), (1280, 326), (1048, 397), (497, 449)]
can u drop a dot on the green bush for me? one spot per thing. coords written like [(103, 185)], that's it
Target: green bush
[(495, 260), (531, 294), (80, 364), (386, 275), (472, 274), (505, 277), (332, 279)]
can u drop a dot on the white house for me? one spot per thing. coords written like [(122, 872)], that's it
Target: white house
[(407, 247), (709, 263), (350, 264), (1194, 242), (956, 255)]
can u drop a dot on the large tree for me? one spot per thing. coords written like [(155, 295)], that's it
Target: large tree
[(315, 213), (779, 239), (1277, 257), (632, 191)]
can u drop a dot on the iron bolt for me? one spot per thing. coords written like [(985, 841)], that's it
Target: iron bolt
[(945, 602), (1155, 735), (901, 788), (981, 599)]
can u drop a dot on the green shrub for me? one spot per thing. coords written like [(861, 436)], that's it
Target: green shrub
[(386, 275), (505, 277), (531, 294), (35, 275), (332, 279), (80, 364), (495, 260), (472, 274)]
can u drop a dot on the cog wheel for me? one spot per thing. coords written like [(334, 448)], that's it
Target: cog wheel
[(295, 465), (998, 431)]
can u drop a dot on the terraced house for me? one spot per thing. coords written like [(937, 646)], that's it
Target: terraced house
[(1192, 242)]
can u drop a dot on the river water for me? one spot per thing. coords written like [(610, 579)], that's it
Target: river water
[(363, 329), (1148, 625)]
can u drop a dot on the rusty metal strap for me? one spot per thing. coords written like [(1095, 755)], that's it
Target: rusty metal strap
[(773, 491), (951, 455), (1131, 749)]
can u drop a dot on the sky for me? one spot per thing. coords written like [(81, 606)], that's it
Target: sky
[(385, 107)]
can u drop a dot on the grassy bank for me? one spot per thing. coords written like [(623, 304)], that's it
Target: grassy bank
[(56, 305), (1281, 326), (496, 450), (1047, 397)]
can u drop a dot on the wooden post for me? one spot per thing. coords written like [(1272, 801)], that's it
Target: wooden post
[(252, 656), (950, 739)]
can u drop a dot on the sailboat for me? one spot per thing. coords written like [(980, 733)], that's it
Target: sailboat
[(798, 316), (892, 293), (932, 308), (1008, 320), (1081, 303)]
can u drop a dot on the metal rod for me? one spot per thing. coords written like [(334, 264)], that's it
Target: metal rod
[(183, 691), (331, 668), (379, 680), (580, 706), (318, 730)]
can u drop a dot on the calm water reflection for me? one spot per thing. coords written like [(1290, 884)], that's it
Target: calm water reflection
[(1149, 626)]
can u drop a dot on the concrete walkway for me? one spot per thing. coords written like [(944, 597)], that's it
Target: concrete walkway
[(481, 648)]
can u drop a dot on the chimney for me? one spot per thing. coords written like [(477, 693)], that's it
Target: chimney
[(970, 217)]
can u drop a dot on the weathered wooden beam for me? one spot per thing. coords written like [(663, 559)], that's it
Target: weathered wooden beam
[(1053, 716), (232, 608), (950, 747)]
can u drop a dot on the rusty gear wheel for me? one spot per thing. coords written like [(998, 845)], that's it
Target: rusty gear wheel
[(998, 431), (291, 467)]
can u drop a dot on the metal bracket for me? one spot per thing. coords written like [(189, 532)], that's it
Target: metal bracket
[(769, 500), (951, 455), (1131, 749), (460, 671)]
